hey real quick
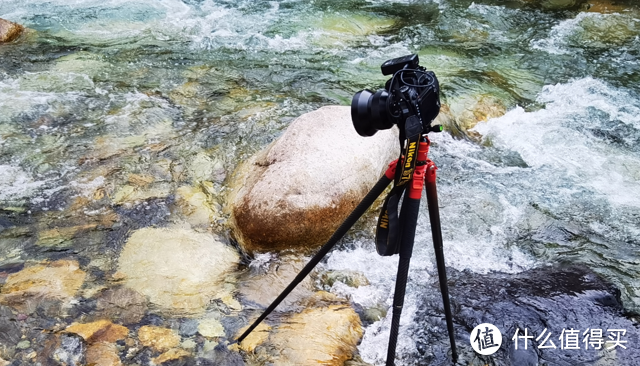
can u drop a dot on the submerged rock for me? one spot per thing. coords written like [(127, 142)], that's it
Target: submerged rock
[(461, 115), (158, 338), (295, 193), (122, 304), (325, 336), (555, 298), (211, 328), (10, 331), (261, 286), (9, 31), (179, 270), (99, 331), (605, 6), (58, 281), (337, 29), (350, 278), (170, 355), (603, 31), (258, 336), (555, 4), (103, 354), (70, 351), (196, 205)]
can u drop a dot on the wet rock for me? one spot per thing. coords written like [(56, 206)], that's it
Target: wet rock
[(555, 298), (295, 193), (189, 327), (170, 355), (339, 28), (10, 330), (9, 31), (262, 285), (179, 270), (61, 236), (211, 328), (130, 194), (326, 336), (103, 354), (349, 278), (158, 338), (122, 304), (205, 168), (196, 205), (604, 6), (191, 95), (356, 361), (372, 315), (258, 336), (189, 344), (55, 281), (99, 331), (462, 114), (221, 355), (70, 351), (555, 4), (23, 344), (602, 31)]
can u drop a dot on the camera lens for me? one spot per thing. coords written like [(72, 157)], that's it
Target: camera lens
[(369, 112)]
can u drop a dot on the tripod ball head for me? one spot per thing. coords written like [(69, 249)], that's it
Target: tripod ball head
[(412, 90)]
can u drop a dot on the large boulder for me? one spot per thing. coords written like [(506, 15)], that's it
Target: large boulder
[(297, 191), (180, 271), (9, 31), (557, 298)]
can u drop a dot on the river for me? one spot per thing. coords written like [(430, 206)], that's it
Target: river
[(553, 179)]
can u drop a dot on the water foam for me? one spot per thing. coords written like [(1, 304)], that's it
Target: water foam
[(564, 136)]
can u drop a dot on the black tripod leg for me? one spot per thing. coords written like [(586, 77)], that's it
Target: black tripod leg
[(362, 207), (409, 219), (434, 217)]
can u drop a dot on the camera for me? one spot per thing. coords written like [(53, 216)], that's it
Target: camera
[(411, 91)]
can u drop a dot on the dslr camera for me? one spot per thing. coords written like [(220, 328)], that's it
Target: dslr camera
[(411, 91)]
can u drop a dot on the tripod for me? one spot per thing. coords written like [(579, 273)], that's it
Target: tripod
[(425, 169)]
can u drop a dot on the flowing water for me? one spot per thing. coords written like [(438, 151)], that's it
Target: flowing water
[(103, 90)]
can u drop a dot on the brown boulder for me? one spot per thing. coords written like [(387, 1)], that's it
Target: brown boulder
[(9, 31), (295, 193)]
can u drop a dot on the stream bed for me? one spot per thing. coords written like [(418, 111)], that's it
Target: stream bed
[(109, 109)]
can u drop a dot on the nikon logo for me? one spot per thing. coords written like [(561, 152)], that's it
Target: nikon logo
[(411, 152), (384, 220)]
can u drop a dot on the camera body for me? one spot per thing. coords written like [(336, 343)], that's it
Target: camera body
[(411, 91)]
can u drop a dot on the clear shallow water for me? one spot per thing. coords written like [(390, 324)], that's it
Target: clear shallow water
[(112, 88)]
